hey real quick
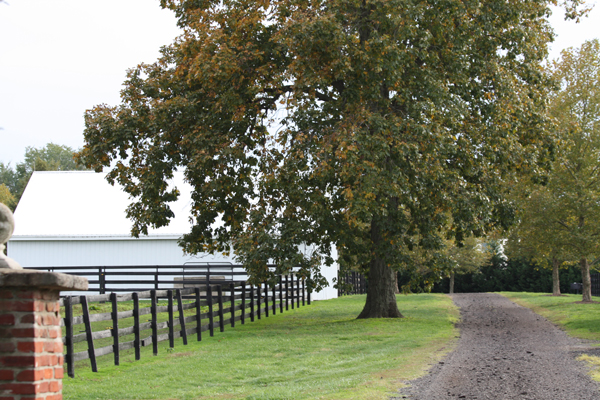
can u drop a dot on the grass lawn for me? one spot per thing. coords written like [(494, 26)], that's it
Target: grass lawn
[(578, 320), (314, 352)]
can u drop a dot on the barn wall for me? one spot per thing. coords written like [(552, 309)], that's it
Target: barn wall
[(151, 252)]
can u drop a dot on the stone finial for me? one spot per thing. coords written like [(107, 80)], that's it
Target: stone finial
[(7, 227)]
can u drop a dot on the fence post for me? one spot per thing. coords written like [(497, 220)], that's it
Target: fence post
[(115, 328), (287, 292), (198, 315), (102, 279), (154, 322), (251, 303), (136, 324), (69, 336), (243, 317), (220, 296), (170, 311), (280, 294), (211, 318), (181, 316), (266, 299), (274, 299), (258, 300), (298, 292), (232, 295), (88, 332)]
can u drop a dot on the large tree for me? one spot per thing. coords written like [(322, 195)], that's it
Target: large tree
[(359, 124)]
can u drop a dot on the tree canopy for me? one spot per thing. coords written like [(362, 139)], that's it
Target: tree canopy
[(364, 126)]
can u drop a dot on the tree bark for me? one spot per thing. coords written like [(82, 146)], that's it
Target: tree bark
[(381, 296), (396, 288), (555, 277), (452, 282), (585, 280)]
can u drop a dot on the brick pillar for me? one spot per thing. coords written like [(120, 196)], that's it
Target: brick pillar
[(31, 347)]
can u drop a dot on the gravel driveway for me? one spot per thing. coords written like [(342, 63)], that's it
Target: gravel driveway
[(506, 351)]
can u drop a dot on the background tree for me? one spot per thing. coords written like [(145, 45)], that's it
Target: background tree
[(466, 257), (52, 157), (6, 197), (536, 237), (359, 124), (572, 197)]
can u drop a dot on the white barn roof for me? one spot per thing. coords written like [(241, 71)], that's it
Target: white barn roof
[(83, 205)]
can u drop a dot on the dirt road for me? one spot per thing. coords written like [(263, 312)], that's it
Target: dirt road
[(506, 352)]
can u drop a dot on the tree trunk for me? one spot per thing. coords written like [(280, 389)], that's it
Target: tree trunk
[(586, 280), (396, 288), (452, 282), (555, 277), (381, 296)]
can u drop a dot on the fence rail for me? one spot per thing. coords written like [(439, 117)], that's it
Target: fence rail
[(351, 283), (128, 278), (188, 312)]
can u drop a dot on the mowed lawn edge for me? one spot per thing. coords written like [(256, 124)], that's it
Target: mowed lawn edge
[(315, 352), (578, 320)]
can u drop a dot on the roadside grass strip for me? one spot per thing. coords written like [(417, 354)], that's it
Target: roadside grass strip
[(578, 320), (315, 352)]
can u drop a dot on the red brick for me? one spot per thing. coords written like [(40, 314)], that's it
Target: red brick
[(7, 398), (54, 333), (19, 388), (11, 305), (7, 319), (18, 361), (41, 387), (53, 347), (7, 347), (30, 347), (52, 306), (28, 294), (49, 373), (30, 319), (55, 386), (7, 375), (59, 372), (54, 397), (30, 375), (50, 320), (26, 332), (61, 360), (6, 294)]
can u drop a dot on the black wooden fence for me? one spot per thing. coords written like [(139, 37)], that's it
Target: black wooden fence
[(210, 307), (128, 278), (351, 283)]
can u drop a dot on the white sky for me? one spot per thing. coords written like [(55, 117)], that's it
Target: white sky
[(59, 58)]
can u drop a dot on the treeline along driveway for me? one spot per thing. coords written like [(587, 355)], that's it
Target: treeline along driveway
[(506, 351)]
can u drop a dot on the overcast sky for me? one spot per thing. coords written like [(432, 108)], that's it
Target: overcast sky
[(61, 57)]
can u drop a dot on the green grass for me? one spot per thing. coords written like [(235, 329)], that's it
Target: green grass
[(578, 320), (314, 352)]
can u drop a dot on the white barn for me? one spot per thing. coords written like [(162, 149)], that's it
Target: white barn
[(77, 219)]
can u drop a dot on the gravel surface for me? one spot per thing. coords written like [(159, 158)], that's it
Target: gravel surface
[(506, 351)]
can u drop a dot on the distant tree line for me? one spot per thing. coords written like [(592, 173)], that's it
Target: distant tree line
[(52, 157)]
